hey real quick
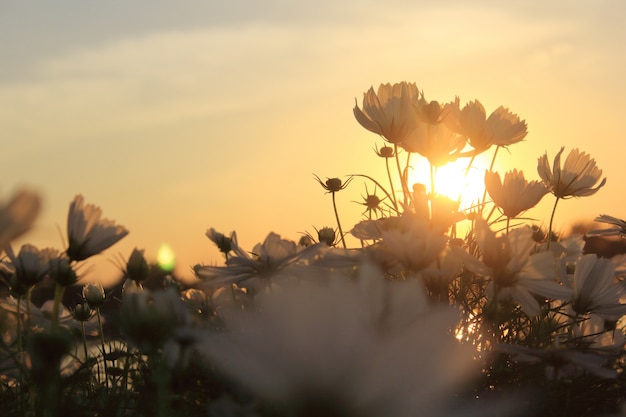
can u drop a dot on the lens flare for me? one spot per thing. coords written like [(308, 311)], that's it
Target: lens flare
[(166, 258)]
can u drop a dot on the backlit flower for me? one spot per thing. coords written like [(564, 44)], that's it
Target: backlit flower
[(266, 261), (18, 215), (595, 288), (415, 244), (389, 112), (501, 128), (435, 142), (514, 195), (618, 229), (515, 270), (88, 233), (576, 178), (30, 265)]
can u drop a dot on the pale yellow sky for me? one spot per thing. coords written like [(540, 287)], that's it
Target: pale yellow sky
[(174, 120)]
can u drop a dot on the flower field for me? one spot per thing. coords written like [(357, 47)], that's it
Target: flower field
[(507, 318)]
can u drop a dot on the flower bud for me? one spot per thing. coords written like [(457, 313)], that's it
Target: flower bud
[(333, 184), (326, 235), (385, 152), (82, 312), (94, 294), (137, 267), (305, 241)]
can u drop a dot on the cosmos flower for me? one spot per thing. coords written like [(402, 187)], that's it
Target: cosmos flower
[(88, 234), (501, 128), (389, 112), (515, 270), (30, 265), (414, 244), (618, 229), (576, 178), (18, 215), (267, 260), (595, 288), (514, 195), (363, 346), (436, 142)]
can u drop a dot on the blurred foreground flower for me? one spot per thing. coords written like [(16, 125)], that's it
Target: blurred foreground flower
[(18, 215), (368, 347), (87, 233)]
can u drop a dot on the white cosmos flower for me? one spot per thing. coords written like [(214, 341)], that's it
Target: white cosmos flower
[(576, 178), (514, 194), (595, 288), (267, 260), (87, 232), (414, 244), (363, 346), (618, 229), (389, 112), (515, 270)]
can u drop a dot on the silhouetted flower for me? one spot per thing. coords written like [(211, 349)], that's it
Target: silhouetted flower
[(514, 195), (223, 242), (137, 268), (501, 128), (333, 185), (31, 265), (266, 261), (576, 178), (93, 293), (389, 112), (88, 234)]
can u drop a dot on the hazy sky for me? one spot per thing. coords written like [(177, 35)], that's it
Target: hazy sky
[(179, 116)]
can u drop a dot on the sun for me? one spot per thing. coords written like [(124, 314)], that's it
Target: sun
[(455, 181)]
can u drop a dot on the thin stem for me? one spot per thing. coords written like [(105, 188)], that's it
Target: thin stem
[(551, 220), (405, 190), (343, 241), (493, 160), (82, 327), (104, 357), (58, 296), (393, 193)]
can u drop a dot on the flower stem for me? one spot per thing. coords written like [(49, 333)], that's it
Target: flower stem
[(393, 193), (343, 241), (58, 296), (104, 356), (551, 220)]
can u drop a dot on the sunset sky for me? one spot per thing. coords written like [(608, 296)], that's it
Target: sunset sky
[(174, 117)]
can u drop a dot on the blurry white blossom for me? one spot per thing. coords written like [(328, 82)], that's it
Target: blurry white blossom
[(365, 348), (17, 215)]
